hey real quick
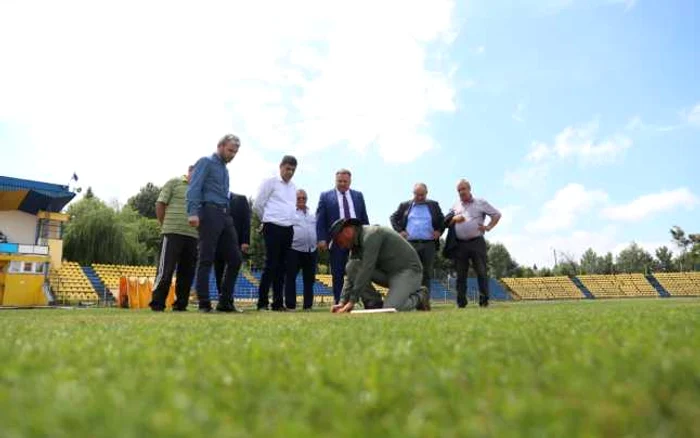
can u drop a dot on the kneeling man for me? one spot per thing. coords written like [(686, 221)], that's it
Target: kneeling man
[(380, 255)]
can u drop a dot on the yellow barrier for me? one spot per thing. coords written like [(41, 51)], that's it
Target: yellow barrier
[(137, 292)]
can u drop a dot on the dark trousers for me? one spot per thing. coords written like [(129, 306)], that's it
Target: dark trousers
[(474, 251), (338, 258), (426, 253), (219, 269), (176, 251), (277, 242), (306, 261), (217, 236)]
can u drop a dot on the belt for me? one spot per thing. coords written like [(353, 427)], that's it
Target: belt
[(421, 241), (470, 240), (277, 225), (222, 207)]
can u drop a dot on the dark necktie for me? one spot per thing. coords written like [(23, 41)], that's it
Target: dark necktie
[(346, 205)]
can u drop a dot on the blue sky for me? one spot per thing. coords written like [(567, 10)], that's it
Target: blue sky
[(580, 120)]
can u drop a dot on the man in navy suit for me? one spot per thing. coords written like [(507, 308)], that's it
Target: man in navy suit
[(239, 209), (340, 202)]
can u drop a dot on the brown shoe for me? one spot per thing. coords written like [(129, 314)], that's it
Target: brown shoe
[(423, 299)]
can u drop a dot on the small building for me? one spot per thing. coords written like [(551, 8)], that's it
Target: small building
[(31, 238)]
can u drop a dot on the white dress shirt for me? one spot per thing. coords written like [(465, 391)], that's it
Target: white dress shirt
[(350, 203), (304, 231), (474, 212), (276, 202)]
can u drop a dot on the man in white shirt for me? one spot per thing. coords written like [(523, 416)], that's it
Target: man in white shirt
[(466, 220), (302, 255), (275, 206)]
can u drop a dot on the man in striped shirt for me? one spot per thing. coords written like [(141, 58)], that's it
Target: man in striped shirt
[(466, 218), (179, 248)]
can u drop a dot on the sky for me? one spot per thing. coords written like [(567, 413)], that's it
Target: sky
[(578, 119)]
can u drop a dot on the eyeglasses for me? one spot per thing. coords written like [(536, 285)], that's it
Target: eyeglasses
[(299, 198)]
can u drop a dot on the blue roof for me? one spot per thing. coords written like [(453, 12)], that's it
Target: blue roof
[(40, 195)]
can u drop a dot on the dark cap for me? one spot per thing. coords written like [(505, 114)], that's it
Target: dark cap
[(338, 226)]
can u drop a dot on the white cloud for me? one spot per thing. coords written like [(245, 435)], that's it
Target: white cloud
[(539, 152), (693, 116), (636, 124), (527, 177), (561, 212), (578, 143), (480, 50), (518, 114), (529, 249), (556, 6), (136, 91), (651, 204), (509, 215)]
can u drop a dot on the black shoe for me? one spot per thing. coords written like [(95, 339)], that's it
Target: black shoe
[(205, 310), (484, 303), (370, 304), (279, 309), (462, 306), (228, 309), (157, 309), (423, 299)]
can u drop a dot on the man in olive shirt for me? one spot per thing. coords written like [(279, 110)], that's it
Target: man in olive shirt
[(179, 246), (380, 255)]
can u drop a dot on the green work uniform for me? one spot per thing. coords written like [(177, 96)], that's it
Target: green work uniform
[(380, 255)]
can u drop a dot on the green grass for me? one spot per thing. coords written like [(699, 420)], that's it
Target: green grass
[(616, 368)]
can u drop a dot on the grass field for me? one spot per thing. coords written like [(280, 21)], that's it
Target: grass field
[(594, 368)]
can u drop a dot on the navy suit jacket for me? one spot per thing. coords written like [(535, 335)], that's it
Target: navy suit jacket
[(240, 211), (328, 211)]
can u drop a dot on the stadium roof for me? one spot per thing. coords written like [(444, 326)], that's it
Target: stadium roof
[(32, 196)]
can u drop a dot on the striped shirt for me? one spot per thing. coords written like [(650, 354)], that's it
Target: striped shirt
[(474, 211), (173, 195)]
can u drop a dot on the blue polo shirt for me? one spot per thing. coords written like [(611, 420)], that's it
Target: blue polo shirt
[(420, 224), (209, 183)]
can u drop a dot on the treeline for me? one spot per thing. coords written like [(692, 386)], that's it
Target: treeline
[(101, 233), (632, 259)]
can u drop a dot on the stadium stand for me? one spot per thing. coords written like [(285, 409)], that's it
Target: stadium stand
[(543, 288), (618, 285), (110, 274), (69, 284), (683, 284)]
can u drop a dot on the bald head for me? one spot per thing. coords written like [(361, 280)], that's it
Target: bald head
[(420, 193)]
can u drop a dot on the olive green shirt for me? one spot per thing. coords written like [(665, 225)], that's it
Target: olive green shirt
[(173, 195), (380, 249)]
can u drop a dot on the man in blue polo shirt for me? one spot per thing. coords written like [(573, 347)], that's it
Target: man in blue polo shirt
[(208, 209), (421, 222)]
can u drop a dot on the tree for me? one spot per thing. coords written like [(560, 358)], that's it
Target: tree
[(606, 264), (590, 262), (256, 251), (95, 235), (689, 246), (544, 272), (634, 259), (501, 264), (144, 202), (567, 266), (664, 258)]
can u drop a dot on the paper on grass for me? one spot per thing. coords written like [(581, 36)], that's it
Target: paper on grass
[(387, 310)]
